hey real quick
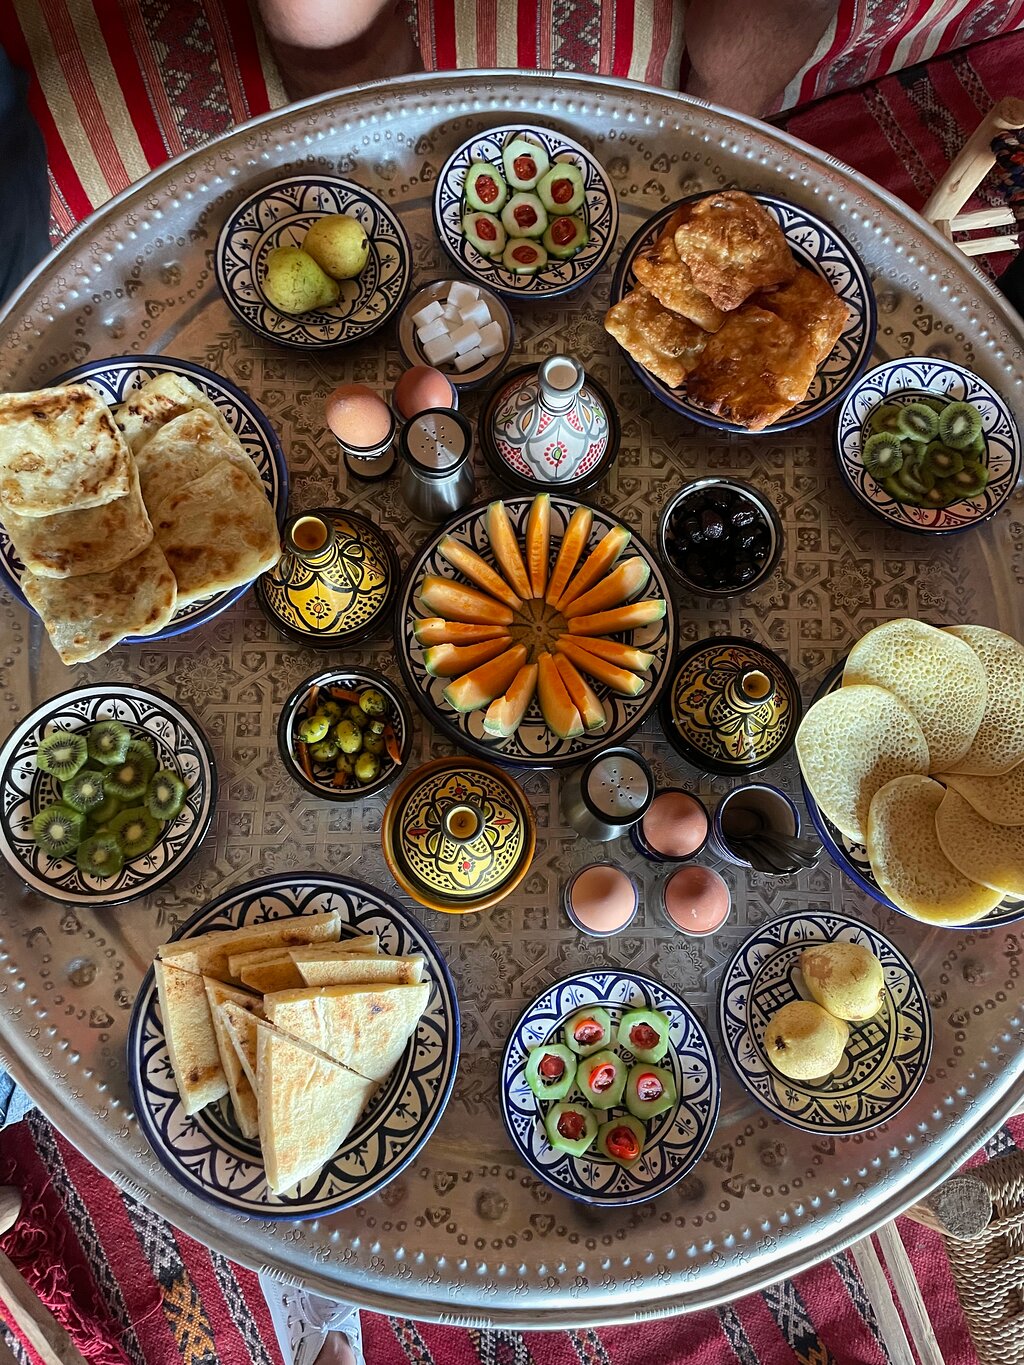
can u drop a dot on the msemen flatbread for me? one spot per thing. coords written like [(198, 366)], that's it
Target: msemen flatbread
[(217, 532), (243, 1095), (733, 246), (938, 676), (998, 745), (999, 799), (87, 615), (159, 401), (60, 451), (987, 853), (907, 859), (343, 969), (850, 743), (754, 369), (364, 1027), (184, 450), (191, 1041), (208, 953)]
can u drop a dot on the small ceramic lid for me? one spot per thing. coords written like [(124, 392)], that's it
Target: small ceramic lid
[(731, 706), (458, 835), (335, 583)]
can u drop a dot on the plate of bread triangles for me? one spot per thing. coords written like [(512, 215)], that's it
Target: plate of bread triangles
[(293, 1046)]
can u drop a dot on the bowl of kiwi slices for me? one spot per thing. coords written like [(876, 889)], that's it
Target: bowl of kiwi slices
[(927, 445), (106, 792)]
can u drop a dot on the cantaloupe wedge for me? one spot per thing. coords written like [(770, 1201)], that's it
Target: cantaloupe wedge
[(556, 705), (505, 714), (506, 549), (478, 571), (618, 679), (596, 565), (619, 618), (583, 696), (451, 661), (622, 656), (483, 684), (624, 580), (434, 630), (574, 542), (456, 602), (538, 542)]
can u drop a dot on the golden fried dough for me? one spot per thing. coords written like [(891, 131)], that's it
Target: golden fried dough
[(664, 275), (754, 369), (733, 247), (810, 303), (662, 342)]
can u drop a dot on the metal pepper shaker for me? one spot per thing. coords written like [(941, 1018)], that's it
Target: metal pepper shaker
[(608, 794), (436, 479)]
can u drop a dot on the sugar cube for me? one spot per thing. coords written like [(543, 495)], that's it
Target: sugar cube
[(478, 314), (463, 295), (464, 338), (440, 351), (437, 328), (428, 314), (452, 314), (492, 339), (469, 360)]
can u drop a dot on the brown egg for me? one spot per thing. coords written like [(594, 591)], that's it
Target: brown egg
[(420, 388), (602, 898), (675, 825), (357, 416), (697, 900)]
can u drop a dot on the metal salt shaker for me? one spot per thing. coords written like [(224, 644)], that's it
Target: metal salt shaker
[(437, 469), (608, 794)]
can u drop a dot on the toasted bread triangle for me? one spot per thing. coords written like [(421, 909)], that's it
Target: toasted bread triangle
[(364, 1027), (240, 1088), (191, 1040)]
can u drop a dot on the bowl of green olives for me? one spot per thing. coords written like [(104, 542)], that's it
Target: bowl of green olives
[(345, 733)]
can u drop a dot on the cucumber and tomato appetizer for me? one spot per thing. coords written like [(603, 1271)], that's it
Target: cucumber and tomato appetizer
[(645, 1034), (484, 188), (524, 216), (588, 1031), (564, 236), (524, 257), (571, 1127), (551, 1071), (601, 1078), (560, 189), (650, 1090), (622, 1140), (485, 232), (524, 162)]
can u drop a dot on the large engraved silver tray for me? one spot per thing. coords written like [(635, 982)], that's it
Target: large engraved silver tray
[(467, 1234)]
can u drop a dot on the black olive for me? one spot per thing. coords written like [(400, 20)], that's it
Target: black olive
[(743, 516), (712, 525)]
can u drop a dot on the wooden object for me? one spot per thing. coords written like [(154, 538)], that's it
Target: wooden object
[(964, 176), (962, 1207), (20, 1305)]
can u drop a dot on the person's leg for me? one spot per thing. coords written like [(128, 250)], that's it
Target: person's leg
[(24, 188), (743, 53), (325, 44)]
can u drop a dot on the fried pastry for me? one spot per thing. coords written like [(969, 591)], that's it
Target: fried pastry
[(733, 247), (664, 275), (663, 342), (754, 369), (809, 302)]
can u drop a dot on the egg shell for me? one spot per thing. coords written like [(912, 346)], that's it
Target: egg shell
[(602, 898), (675, 825), (697, 900), (421, 388), (357, 416)]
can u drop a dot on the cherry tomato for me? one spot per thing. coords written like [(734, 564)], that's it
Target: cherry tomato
[(552, 1068), (525, 254), (486, 189), (649, 1087), (602, 1078), (587, 1031), (525, 215), (486, 231), (561, 191), (571, 1125), (525, 167), (642, 1036), (622, 1143)]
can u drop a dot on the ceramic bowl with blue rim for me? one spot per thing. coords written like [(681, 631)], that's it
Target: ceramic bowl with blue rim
[(675, 1140), (206, 1152), (600, 209), (180, 746), (114, 380), (908, 381), (280, 215), (817, 246), (886, 1058), (852, 858), (412, 348)]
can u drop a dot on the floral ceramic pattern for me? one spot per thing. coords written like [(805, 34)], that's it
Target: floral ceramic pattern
[(541, 447)]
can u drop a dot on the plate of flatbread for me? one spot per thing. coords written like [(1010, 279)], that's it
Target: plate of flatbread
[(139, 497), (743, 311), (293, 1046)]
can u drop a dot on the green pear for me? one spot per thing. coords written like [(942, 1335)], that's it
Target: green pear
[(805, 1042), (339, 245), (845, 978), (294, 283)]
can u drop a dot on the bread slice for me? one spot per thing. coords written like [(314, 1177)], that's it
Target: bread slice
[(191, 1041), (276, 971), (240, 1027), (365, 1027), (240, 1088), (208, 954), (317, 967)]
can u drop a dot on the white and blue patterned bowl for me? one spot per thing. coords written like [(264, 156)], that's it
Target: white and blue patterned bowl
[(206, 1152), (817, 246), (179, 744), (601, 208), (905, 381), (115, 380), (675, 1139), (886, 1057), (280, 215)]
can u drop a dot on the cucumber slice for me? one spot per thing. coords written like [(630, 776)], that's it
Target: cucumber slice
[(644, 1033), (484, 188), (524, 162), (601, 1078), (485, 232), (650, 1090), (622, 1140), (524, 216), (588, 1031), (543, 1075), (564, 236), (571, 1127), (523, 257), (561, 188)]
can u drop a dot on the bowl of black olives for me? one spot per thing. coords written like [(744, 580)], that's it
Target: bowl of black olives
[(719, 537)]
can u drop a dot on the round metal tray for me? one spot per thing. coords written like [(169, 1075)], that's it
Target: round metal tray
[(467, 1234)]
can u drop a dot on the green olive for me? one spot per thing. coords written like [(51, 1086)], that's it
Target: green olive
[(374, 703), (333, 710), (312, 729), (373, 744), (356, 716), (345, 763), (367, 768), (375, 727), (348, 737), (324, 752)]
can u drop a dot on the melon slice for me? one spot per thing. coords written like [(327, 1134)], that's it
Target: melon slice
[(538, 542), (556, 705), (583, 696), (622, 656), (596, 565), (451, 661), (478, 571), (455, 602), (489, 680), (618, 679), (624, 580), (620, 618), (505, 713), (433, 630), (506, 549), (574, 542)]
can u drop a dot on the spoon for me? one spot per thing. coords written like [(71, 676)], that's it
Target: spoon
[(780, 852), (761, 857)]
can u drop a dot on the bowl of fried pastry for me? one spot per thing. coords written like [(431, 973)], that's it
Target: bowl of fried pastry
[(743, 312)]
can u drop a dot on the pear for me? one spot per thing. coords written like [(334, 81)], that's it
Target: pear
[(339, 245), (805, 1042), (294, 283), (845, 978)]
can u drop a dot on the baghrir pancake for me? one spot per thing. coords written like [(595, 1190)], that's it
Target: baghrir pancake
[(998, 743), (987, 853)]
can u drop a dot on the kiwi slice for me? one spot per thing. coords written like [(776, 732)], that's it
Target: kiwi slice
[(942, 461), (886, 417), (135, 830), (108, 742), (930, 401), (959, 425), (882, 454), (918, 422), (971, 480), (165, 795), (61, 754), (100, 856), (129, 780), (58, 829), (84, 791)]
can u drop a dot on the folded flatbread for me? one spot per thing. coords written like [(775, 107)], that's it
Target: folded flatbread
[(733, 247), (218, 532), (184, 450), (159, 401), (339, 969), (240, 1088), (240, 1026), (364, 1027), (191, 1041), (89, 614), (661, 341), (277, 974), (208, 953), (664, 275), (60, 451), (810, 303)]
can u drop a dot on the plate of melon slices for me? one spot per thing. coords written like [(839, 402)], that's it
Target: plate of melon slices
[(535, 631)]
